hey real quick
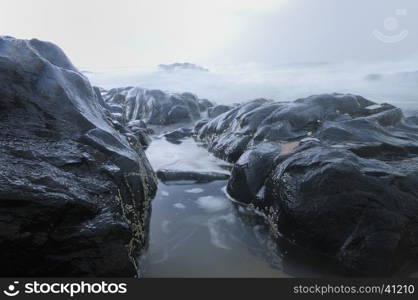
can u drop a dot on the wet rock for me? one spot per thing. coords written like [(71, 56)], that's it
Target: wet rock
[(217, 110), (335, 119), (178, 134), (199, 177), (250, 171), (204, 104), (182, 66), (335, 174), (74, 191), (373, 77), (154, 107), (199, 124)]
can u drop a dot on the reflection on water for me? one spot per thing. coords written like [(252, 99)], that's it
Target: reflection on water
[(200, 235), (197, 231)]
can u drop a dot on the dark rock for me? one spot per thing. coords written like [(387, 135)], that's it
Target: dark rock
[(335, 174), (199, 124), (249, 172), (360, 212), (182, 66), (154, 107), (204, 104), (336, 119), (74, 192), (198, 177), (178, 134), (217, 110), (100, 99)]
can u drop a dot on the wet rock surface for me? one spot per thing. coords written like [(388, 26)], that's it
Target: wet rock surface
[(75, 189), (205, 104), (154, 107), (182, 66), (335, 174), (170, 175), (176, 135)]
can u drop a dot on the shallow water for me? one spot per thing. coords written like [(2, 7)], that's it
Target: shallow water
[(197, 231)]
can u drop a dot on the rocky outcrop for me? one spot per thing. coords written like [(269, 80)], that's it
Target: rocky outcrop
[(217, 110), (335, 174), (154, 107), (182, 66), (177, 135), (166, 176), (75, 190), (204, 104)]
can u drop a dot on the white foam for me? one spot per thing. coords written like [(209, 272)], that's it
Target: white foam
[(165, 194), (211, 203), (194, 191)]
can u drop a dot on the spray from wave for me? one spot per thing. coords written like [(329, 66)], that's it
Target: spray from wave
[(394, 83)]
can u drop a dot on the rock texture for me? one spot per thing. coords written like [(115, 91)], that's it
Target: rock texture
[(182, 66), (177, 135), (335, 174), (75, 190)]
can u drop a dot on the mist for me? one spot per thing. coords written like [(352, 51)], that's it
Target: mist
[(393, 83), (278, 49)]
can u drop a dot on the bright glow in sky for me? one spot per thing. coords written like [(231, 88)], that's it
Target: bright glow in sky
[(98, 33)]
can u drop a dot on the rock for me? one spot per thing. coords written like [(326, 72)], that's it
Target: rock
[(250, 171), (178, 134), (182, 66), (138, 132), (360, 212), (220, 134), (74, 192), (217, 110), (204, 104), (199, 124), (198, 177), (335, 174), (373, 77), (154, 107)]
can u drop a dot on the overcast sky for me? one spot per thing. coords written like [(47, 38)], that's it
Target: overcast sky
[(115, 33)]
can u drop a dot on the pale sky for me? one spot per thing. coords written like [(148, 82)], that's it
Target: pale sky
[(110, 33)]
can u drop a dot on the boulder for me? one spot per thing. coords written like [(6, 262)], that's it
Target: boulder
[(154, 107), (166, 175), (360, 212), (138, 132), (75, 192), (217, 110), (204, 104), (199, 124), (335, 174), (250, 171), (182, 66)]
